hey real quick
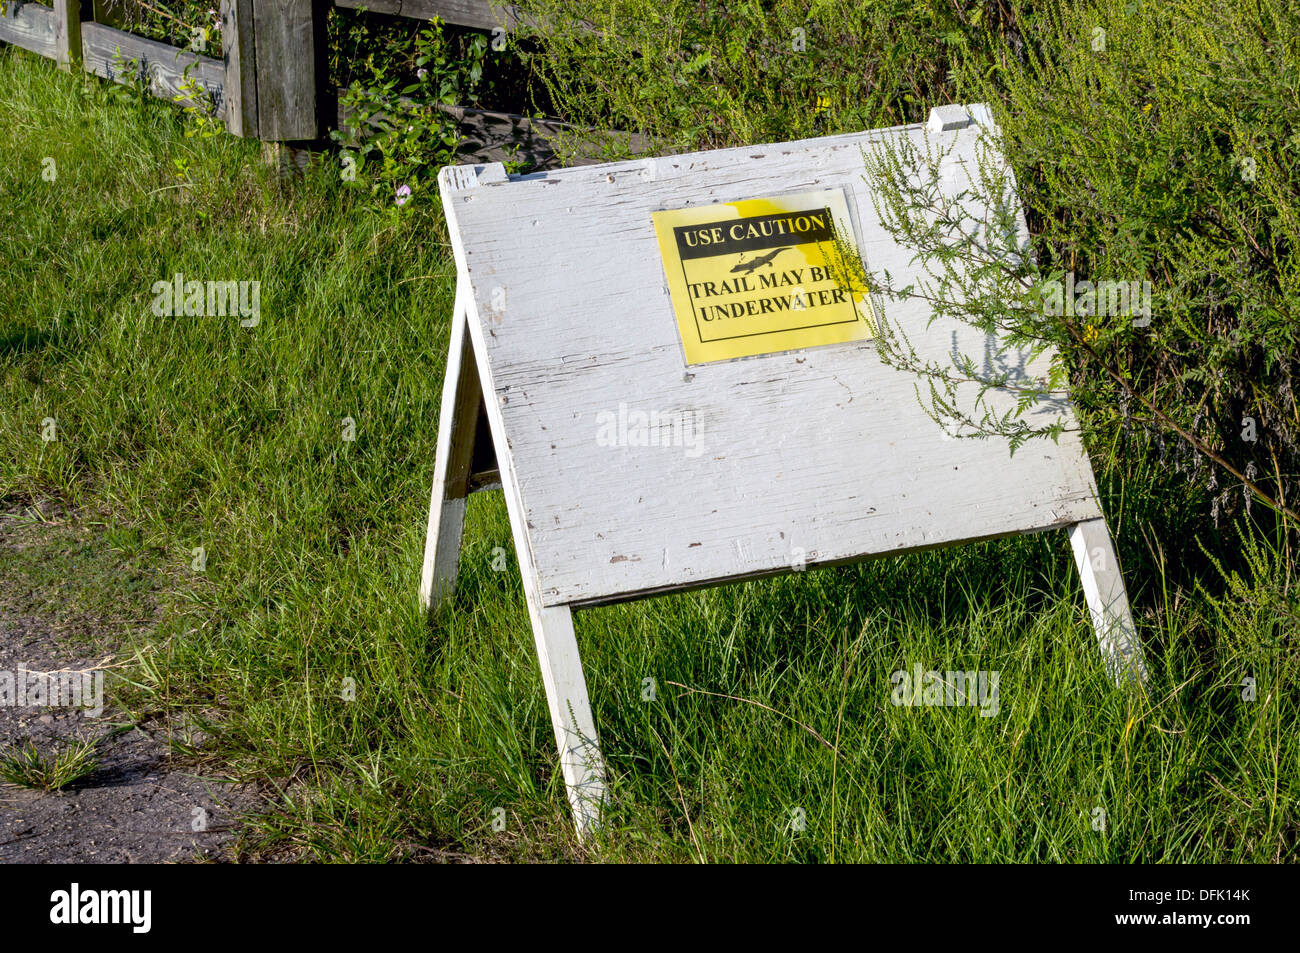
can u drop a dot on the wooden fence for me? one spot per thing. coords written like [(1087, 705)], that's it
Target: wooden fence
[(272, 81)]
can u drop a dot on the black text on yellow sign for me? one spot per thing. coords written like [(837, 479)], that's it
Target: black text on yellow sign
[(763, 275)]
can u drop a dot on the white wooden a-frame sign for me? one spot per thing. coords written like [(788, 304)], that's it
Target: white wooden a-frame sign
[(563, 320)]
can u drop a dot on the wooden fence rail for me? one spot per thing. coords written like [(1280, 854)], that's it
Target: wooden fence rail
[(272, 81), (479, 14), (31, 26)]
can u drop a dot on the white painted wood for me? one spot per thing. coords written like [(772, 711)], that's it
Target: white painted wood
[(948, 118), (456, 432), (1103, 587), (821, 455), (581, 763), (807, 457)]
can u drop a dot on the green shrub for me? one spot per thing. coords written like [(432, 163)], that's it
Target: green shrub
[(695, 74), (396, 134), (1162, 142)]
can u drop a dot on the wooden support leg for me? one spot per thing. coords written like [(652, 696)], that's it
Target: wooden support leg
[(581, 762), (1103, 586), (277, 87), (457, 423)]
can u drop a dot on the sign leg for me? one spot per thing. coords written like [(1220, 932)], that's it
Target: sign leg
[(581, 763), (1103, 586), (457, 423), (566, 696)]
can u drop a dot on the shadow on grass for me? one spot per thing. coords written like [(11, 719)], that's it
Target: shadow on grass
[(24, 340)]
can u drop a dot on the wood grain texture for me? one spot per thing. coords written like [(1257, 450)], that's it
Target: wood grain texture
[(289, 38), (233, 86), (805, 458), (30, 26), (489, 136), (162, 66), (581, 761), (239, 58), (557, 648), (68, 15), (506, 137), (473, 13)]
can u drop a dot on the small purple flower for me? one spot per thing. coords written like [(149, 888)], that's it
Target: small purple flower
[(403, 194)]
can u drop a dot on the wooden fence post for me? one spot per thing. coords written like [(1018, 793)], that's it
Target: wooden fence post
[(68, 15), (237, 52), (293, 96)]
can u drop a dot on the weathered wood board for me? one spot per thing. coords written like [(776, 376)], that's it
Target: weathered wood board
[(291, 68), (30, 26), (106, 52), (479, 14), (802, 458), (488, 136), (68, 15), (239, 60), (297, 102)]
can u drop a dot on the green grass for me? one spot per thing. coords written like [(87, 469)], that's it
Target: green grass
[(196, 432), (78, 576), (25, 766)]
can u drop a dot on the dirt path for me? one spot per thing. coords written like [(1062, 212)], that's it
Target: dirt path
[(68, 597)]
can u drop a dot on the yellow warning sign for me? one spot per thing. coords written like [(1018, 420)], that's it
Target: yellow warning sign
[(763, 275)]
